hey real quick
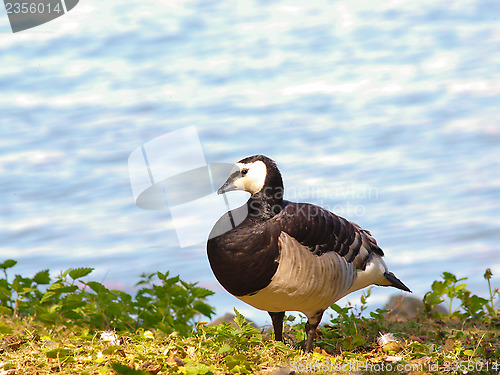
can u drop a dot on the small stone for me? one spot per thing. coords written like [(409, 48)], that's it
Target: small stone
[(229, 318), (402, 308), (179, 362)]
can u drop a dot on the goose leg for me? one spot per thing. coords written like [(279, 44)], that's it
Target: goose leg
[(311, 325), (277, 318)]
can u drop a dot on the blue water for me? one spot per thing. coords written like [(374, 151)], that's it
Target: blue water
[(385, 112)]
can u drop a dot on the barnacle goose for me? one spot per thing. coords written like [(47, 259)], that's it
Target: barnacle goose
[(286, 256)]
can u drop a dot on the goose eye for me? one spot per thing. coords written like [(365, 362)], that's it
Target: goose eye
[(244, 171)]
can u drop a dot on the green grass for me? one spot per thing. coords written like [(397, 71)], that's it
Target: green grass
[(69, 325)]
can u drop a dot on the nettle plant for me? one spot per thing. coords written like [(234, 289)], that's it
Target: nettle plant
[(162, 302), (350, 329), (452, 289)]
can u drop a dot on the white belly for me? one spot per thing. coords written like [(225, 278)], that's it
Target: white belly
[(303, 281)]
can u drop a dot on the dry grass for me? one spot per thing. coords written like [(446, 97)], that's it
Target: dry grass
[(28, 347)]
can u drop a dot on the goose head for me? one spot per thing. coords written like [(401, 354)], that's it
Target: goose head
[(253, 174)]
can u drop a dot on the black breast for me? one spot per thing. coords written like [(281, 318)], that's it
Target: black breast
[(245, 259)]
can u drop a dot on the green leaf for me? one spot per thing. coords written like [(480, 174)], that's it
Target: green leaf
[(5, 328), (47, 296), (21, 304), (5, 292), (56, 285), (72, 301), (48, 317), (147, 334), (352, 342), (336, 308), (460, 287), (4, 310), (125, 370), (358, 340), (225, 348), (26, 290), (73, 315), (162, 276), (59, 353), (42, 277), (447, 276), (203, 308), (475, 304), (281, 346), (469, 353), (96, 286), (201, 292), (63, 275), (172, 280), (431, 300), (59, 287), (20, 283), (77, 273), (240, 369), (490, 309), (239, 319), (9, 263), (112, 349), (438, 287), (234, 360), (180, 301)]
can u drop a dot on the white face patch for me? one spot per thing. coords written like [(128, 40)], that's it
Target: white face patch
[(253, 180)]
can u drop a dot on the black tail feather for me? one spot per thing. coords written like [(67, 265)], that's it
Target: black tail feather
[(395, 282)]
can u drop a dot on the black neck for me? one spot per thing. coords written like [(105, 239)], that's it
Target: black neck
[(265, 203)]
